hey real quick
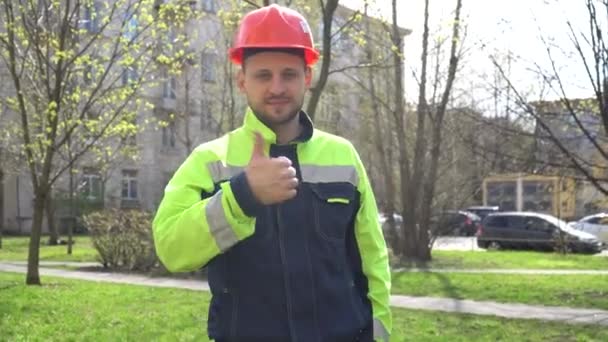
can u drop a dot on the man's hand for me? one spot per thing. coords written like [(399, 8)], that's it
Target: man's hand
[(272, 180)]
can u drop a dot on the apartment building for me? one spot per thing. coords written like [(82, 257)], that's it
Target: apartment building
[(189, 108)]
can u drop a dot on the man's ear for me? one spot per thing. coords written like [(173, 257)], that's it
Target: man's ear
[(308, 76), (240, 80)]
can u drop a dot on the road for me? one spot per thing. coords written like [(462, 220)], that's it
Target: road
[(468, 244), (446, 243)]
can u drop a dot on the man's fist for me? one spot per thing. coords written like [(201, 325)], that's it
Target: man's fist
[(272, 180)]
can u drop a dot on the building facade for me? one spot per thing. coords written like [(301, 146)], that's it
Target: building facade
[(187, 109)]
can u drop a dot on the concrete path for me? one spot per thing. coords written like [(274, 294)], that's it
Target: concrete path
[(505, 271), (55, 263), (519, 311), (434, 270), (110, 277), (508, 310)]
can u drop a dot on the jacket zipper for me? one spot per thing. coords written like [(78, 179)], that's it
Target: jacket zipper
[(285, 276)]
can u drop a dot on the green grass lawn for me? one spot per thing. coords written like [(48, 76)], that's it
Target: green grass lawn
[(87, 311), (516, 259), (585, 291), (16, 249)]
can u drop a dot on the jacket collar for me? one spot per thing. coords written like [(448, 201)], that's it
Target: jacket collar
[(253, 124)]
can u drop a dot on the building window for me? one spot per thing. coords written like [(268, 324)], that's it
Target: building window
[(90, 186), (169, 135), (208, 67), (209, 6), (341, 39), (169, 86), (205, 114), (129, 185), (131, 26), (172, 35), (89, 74), (129, 136), (129, 76), (90, 17)]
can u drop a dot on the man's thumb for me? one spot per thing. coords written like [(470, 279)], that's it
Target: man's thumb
[(258, 146)]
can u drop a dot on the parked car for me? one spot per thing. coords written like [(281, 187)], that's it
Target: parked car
[(455, 223), (483, 211), (527, 230), (382, 218), (596, 225)]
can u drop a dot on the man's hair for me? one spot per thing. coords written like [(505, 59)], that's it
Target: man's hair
[(248, 52)]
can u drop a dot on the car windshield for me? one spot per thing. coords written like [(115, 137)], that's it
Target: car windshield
[(598, 218), (557, 222)]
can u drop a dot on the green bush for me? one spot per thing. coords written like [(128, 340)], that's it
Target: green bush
[(123, 238)]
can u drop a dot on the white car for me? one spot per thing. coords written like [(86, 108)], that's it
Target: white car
[(594, 224), (382, 218)]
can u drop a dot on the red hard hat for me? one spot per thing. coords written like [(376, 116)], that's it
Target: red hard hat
[(274, 27)]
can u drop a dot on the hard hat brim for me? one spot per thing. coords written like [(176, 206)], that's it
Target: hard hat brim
[(311, 56)]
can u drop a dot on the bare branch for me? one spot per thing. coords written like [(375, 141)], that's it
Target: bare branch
[(251, 3), (554, 138), (569, 107), (348, 23), (361, 66)]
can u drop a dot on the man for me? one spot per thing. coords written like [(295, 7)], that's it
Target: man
[(281, 214)]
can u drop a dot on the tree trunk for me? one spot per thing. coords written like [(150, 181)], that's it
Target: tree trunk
[(72, 209), (431, 173), (32, 277), (1, 206), (188, 141), (428, 193), (409, 243), (317, 90), (50, 217), (385, 162)]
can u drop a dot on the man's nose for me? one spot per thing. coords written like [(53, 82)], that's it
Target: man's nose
[(277, 87)]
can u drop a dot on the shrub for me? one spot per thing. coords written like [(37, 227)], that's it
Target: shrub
[(122, 238)]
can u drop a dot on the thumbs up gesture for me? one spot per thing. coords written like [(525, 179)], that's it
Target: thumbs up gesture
[(272, 180)]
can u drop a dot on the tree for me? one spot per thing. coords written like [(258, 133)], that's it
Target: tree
[(572, 133), (470, 153), (1, 199), (375, 99), (419, 174), (78, 69), (328, 10)]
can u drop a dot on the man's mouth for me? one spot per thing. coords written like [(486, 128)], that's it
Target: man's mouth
[(277, 101)]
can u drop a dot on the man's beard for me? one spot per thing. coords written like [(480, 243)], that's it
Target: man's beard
[(270, 121)]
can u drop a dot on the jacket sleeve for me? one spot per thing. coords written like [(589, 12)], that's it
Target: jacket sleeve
[(190, 229), (374, 256)]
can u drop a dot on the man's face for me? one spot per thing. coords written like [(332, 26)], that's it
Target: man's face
[(275, 84)]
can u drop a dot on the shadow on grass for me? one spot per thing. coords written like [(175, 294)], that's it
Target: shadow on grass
[(448, 290), (157, 272), (9, 286)]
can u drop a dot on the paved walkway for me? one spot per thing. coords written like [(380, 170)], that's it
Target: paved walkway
[(505, 271), (519, 311), (435, 270)]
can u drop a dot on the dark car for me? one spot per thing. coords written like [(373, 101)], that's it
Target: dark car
[(482, 210), (455, 223), (527, 230)]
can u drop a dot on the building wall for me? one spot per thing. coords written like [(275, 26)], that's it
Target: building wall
[(159, 158)]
